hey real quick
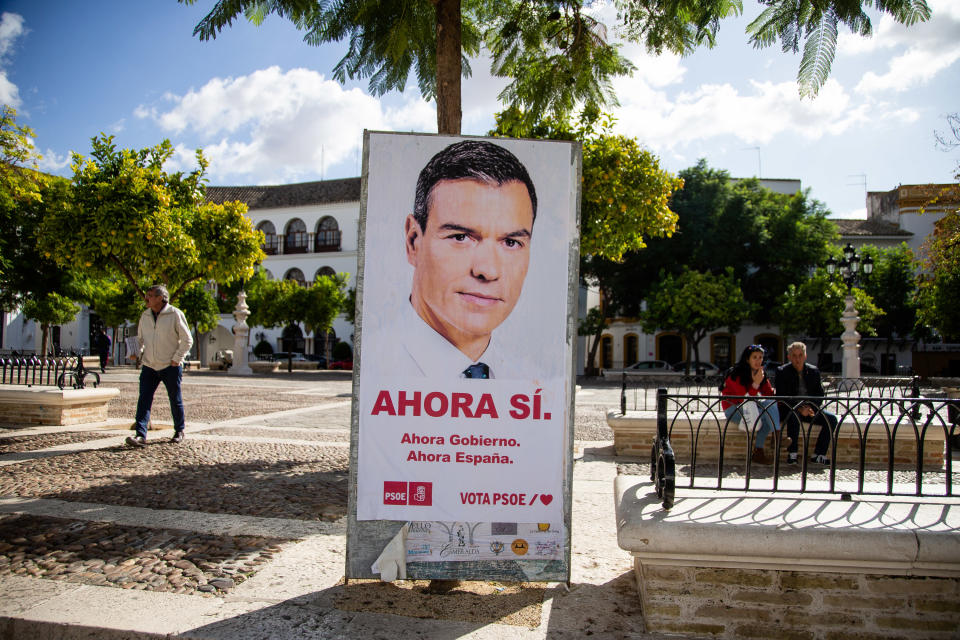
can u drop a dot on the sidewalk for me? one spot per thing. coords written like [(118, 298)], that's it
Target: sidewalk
[(239, 531)]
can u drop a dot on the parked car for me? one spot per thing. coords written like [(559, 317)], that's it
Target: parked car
[(320, 360), (708, 368), (341, 364), (642, 368), (283, 356)]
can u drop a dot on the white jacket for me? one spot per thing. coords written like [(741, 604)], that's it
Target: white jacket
[(164, 340)]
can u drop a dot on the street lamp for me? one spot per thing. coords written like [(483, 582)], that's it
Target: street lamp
[(850, 267)]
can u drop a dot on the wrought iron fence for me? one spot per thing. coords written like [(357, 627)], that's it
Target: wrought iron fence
[(878, 445), (640, 393), (50, 371)]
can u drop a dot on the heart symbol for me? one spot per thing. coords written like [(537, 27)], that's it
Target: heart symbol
[(546, 499)]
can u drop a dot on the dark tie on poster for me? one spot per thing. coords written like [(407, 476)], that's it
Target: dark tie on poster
[(478, 370)]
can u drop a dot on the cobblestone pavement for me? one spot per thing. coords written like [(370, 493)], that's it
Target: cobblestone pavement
[(213, 403), (21, 444), (281, 432), (223, 467), (142, 558), (242, 478)]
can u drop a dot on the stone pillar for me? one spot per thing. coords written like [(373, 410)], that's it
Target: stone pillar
[(851, 341), (241, 334)]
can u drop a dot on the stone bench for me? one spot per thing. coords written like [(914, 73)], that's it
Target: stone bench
[(737, 564), (634, 433), (44, 405)]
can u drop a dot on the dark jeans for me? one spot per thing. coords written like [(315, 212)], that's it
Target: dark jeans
[(150, 379), (103, 360), (826, 420)]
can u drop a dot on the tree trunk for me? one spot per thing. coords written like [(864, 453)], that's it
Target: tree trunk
[(44, 330), (449, 68), (694, 342), (592, 355)]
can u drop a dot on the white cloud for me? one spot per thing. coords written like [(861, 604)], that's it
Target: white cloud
[(9, 94), (52, 162), (11, 28), (716, 110), (276, 126), (917, 66), (919, 52)]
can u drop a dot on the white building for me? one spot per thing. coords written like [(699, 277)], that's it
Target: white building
[(311, 229)]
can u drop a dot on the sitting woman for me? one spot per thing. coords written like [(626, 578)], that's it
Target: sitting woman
[(749, 379)]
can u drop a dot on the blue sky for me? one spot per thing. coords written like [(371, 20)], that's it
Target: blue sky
[(263, 105)]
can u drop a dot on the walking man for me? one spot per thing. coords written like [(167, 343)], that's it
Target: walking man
[(164, 340)]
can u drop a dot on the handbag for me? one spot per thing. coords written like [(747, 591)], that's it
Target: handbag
[(750, 411)]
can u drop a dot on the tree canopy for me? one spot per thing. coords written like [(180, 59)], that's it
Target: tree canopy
[(694, 303), (29, 279), (893, 288), (814, 308), (769, 240), (625, 194), (281, 303), (939, 295), (127, 217), (556, 54)]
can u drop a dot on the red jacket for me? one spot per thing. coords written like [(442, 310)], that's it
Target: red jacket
[(732, 387)]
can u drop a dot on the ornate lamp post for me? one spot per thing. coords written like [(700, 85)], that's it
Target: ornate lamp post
[(851, 266)]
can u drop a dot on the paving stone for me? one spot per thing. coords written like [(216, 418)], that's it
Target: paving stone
[(88, 564)]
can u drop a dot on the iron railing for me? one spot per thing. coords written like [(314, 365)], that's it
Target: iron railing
[(884, 464), (640, 393), (59, 371)]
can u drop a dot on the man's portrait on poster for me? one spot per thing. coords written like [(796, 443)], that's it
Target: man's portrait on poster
[(468, 243)]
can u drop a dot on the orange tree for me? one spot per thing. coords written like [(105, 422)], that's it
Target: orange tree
[(127, 217)]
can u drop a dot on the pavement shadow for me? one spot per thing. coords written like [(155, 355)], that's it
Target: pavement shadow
[(369, 609), (312, 486)]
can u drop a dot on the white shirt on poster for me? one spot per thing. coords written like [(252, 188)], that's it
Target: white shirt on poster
[(420, 351)]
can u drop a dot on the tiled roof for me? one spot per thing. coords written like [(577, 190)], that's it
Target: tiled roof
[(868, 228), (289, 195)]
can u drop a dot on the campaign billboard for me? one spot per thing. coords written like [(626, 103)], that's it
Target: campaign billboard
[(464, 362)]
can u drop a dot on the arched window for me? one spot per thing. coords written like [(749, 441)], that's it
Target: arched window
[(606, 352), (631, 349), (295, 239), (267, 273), (327, 237), (324, 271), (269, 237), (296, 275)]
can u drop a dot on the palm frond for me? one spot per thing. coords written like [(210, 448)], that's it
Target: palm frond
[(818, 54)]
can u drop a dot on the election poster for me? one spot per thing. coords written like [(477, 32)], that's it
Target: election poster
[(464, 365)]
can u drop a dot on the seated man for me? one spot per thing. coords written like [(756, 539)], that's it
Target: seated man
[(799, 379)]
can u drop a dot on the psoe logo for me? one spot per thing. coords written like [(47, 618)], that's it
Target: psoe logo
[(421, 494), (394, 492), (418, 494)]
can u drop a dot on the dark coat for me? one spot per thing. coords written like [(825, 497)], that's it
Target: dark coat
[(787, 383)]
